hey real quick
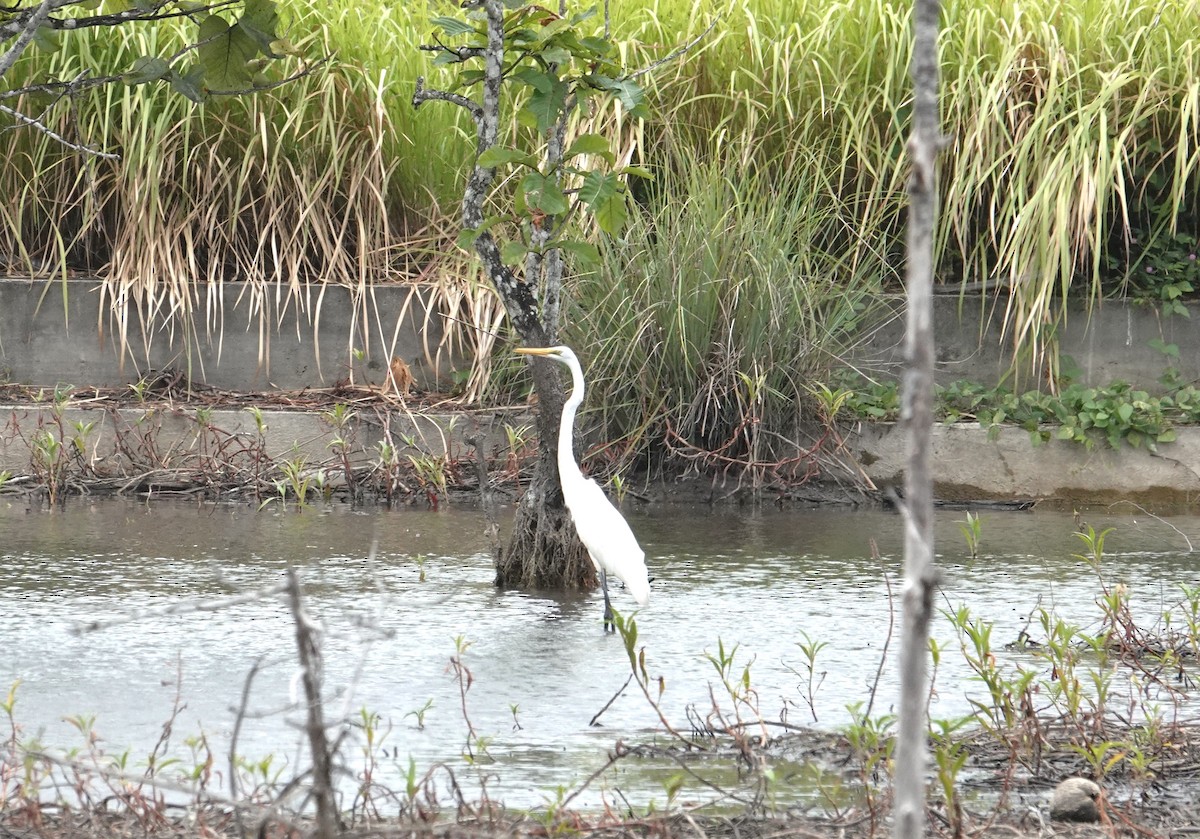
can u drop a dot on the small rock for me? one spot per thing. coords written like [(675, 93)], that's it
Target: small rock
[(1075, 800)]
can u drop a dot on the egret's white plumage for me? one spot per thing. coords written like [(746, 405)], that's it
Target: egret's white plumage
[(601, 527)]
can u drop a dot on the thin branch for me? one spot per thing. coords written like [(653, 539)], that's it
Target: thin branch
[(26, 30), (462, 53), (54, 135), (424, 94), (677, 52)]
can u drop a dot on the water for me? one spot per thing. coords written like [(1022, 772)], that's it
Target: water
[(541, 667)]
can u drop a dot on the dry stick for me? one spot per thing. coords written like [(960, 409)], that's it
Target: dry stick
[(887, 642), (310, 665), (233, 742), (609, 703)]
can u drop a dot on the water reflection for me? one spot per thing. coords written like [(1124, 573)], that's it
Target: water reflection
[(541, 666)]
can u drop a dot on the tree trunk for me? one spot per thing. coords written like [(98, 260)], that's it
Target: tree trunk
[(544, 550), (917, 413)]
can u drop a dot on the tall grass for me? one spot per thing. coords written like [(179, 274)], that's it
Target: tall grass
[(1070, 123), (711, 319)]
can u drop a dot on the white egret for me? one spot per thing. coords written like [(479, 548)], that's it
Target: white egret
[(601, 527)]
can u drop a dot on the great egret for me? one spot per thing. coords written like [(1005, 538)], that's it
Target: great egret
[(602, 529)]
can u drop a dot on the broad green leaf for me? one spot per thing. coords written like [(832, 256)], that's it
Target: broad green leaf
[(452, 26), (190, 84), (556, 55), (590, 144), (500, 155), (513, 253), (612, 214), (148, 68), (597, 187), (535, 78), (546, 105), (553, 28), (580, 17), (260, 20), (47, 39), (599, 46), (466, 238), (224, 51), (586, 254), (543, 193)]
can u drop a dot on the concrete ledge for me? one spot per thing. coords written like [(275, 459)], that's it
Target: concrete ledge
[(182, 446), (969, 464)]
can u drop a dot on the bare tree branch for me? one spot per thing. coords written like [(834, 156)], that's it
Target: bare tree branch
[(676, 53), (424, 94), (54, 135), (917, 414), (24, 30)]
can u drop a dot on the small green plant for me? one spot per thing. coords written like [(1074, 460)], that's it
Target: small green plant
[(811, 683), (950, 756), (139, 389), (298, 481), (971, 529), (619, 487), (1164, 271), (418, 715), (430, 471), (872, 742)]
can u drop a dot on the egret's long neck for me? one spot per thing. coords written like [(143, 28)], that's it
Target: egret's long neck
[(567, 466)]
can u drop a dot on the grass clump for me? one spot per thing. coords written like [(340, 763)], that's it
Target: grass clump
[(1072, 150)]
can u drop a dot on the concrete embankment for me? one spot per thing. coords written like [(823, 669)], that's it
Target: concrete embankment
[(66, 333)]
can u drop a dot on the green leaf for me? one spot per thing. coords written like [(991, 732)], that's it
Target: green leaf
[(544, 193), (589, 144), (1125, 412), (556, 55), (597, 187), (224, 51), (148, 68), (546, 105), (612, 214), (466, 238), (47, 39), (513, 252), (452, 25), (190, 84), (637, 171), (259, 20), (501, 155), (586, 254)]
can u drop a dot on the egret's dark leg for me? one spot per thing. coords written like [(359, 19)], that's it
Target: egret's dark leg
[(608, 615)]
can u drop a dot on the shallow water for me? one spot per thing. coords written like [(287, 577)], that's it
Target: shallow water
[(541, 666)]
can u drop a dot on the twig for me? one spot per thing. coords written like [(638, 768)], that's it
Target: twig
[(181, 609), (609, 703)]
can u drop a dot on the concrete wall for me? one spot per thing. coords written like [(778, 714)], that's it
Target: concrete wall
[(64, 332), (1112, 342)]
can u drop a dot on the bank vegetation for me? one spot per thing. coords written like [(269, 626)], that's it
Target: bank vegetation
[(755, 256)]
